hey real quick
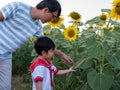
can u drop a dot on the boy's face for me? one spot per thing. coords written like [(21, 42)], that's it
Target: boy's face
[(49, 54)]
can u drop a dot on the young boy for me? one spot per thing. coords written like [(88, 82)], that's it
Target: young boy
[(42, 69)]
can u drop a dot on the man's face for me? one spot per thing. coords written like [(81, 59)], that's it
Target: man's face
[(48, 16)]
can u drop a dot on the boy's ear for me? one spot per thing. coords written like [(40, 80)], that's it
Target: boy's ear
[(43, 52)]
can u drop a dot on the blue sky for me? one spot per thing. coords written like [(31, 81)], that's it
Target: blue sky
[(87, 8)]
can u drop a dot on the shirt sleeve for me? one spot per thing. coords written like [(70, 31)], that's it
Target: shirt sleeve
[(9, 9), (38, 73), (55, 69), (39, 33)]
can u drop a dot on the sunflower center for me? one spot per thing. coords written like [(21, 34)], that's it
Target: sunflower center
[(75, 15), (103, 17), (71, 33), (55, 20), (117, 8)]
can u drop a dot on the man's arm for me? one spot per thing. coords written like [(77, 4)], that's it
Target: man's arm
[(66, 58), (1, 16)]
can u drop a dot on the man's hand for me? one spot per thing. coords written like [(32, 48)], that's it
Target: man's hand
[(66, 58)]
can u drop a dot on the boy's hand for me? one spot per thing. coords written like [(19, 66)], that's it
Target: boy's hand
[(72, 69)]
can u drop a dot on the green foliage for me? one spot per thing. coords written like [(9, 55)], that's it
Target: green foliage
[(98, 81), (95, 20), (105, 10), (96, 56), (22, 58)]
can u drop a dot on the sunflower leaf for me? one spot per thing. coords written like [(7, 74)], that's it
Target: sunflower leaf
[(105, 10), (95, 20)]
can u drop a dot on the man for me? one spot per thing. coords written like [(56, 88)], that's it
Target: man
[(18, 22)]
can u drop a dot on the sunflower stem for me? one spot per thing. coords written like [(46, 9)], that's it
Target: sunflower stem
[(108, 23)]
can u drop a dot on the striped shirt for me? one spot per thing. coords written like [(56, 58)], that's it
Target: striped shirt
[(17, 27)]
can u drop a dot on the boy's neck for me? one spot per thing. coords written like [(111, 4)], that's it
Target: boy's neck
[(43, 59)]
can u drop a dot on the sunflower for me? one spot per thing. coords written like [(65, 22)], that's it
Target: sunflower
[(115, 12), (100, 25), (75, 16), (56, 22), (104, 17), (111, 29), (46, 32), (32, 38), (90, 27), (70, 33)]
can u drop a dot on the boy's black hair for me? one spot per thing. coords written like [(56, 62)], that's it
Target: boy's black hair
[(43, 44), (53, 5)]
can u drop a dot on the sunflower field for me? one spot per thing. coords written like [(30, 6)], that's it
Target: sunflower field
[(94, 47)]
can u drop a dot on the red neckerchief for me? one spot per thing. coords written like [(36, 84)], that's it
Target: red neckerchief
[(47, 64)]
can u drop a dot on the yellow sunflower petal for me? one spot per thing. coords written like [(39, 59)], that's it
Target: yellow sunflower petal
[(104, 17), (75, 16), (70, 33), (115, 11), (56, 22)]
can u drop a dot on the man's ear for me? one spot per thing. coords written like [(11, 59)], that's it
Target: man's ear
[(46, 9)]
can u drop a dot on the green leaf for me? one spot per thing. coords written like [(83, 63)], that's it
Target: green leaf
[(116, 33), (33, 53), (92, 47), (62, 26), (96, 47), (99, 81), (105, 10), (80, 62), (47, 27), (95, 20), (91, 41), (88, 33), (104, 47), (115, 23), (94, 51), (86, 64), (114, 59)]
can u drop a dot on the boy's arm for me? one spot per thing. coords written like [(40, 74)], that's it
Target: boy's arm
[(1, 16), (39, 85), (66, 58), (61, 72)]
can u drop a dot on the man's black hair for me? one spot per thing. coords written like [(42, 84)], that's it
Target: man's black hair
[(53, 6)]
